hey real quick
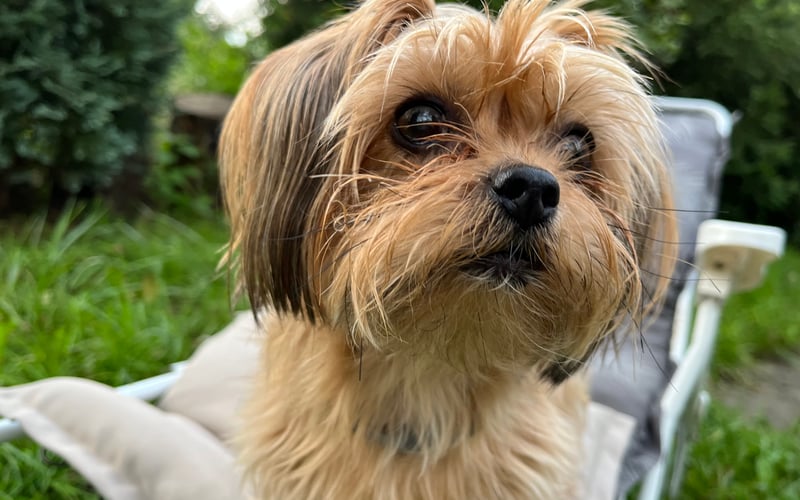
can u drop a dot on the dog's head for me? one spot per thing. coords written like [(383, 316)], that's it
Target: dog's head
[(490, 191)]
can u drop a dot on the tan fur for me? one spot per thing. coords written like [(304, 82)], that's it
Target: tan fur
[(503, 436), (358, 245)]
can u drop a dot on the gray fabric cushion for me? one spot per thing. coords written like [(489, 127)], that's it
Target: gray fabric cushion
[(633, 379)]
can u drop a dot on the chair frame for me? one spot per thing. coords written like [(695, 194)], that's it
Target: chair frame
[(729, 257)]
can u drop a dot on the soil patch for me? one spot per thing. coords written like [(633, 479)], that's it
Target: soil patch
[(771, 389)]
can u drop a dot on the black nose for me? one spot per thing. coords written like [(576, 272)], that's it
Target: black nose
[(528, 194)]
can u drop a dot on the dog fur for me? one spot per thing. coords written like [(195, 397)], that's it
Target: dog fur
[(424, 338)]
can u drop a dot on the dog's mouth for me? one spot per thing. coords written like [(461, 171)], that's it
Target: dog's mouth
[(514, 266)]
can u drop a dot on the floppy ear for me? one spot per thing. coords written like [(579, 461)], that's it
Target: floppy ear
[(271, 157), (594, 29)]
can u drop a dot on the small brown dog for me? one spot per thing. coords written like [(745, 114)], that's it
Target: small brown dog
[(446, 213)]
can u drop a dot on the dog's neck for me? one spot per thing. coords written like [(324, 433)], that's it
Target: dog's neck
[(408, 424), (413, 405), (404, 403)]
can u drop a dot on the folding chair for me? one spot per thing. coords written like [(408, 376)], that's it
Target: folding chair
[(659, 379), (653, 386)]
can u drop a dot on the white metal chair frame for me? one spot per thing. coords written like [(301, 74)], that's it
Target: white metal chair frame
[(731, 257)]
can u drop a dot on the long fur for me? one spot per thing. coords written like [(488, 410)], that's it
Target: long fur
[(358, 247)]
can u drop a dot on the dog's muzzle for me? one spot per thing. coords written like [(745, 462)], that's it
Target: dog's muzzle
[(529, 195)]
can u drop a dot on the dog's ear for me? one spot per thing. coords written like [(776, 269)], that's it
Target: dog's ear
[(594, 29), (272, 159)]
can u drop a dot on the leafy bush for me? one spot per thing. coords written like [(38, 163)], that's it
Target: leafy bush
[(287, 21), (208, 63), (79, 82), (183, 177), (744, 55)]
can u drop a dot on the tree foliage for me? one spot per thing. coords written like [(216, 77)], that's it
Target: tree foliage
[(207, 62), (745, 56), (79, 83), (287, 20)]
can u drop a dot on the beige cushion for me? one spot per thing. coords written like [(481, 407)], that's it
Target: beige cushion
[(605, 441), (216, 378), (128, 449)]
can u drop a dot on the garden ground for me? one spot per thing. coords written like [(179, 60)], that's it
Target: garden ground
[(768, 390)]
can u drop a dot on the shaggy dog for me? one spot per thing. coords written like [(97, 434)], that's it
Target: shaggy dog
[(445, 213)]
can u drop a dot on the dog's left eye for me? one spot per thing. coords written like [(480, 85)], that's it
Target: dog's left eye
[(419, 123), (577, 145)]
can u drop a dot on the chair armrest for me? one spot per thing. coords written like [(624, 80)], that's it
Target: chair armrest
[(732, 256), (148, 389)]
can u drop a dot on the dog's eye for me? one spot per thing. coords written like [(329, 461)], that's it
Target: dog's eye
[(419, 123), (577, 145)]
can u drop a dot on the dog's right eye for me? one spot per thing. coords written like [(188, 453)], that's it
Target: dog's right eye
[(577, 145), (419, 123)]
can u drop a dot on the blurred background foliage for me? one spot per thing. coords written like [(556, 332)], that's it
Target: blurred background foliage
[(79, 83), (79, 99), (207, 62)]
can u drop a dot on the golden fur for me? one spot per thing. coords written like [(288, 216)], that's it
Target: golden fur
[(391, 369)]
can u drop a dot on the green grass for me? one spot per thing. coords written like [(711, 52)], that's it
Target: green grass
[(738, 459), (98, 297), (94, 296)]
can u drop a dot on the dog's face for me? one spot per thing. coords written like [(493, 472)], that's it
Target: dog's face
[(488, 192)]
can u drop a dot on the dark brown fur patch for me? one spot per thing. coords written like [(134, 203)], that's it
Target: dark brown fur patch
[(273, 159)]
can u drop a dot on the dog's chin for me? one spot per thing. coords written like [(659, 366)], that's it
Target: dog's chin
[(514, 267)]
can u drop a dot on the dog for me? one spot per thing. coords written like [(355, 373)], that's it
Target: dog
[(444, 212)]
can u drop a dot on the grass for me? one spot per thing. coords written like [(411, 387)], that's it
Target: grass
[(102, 298), (94, 296), (738, 459)]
